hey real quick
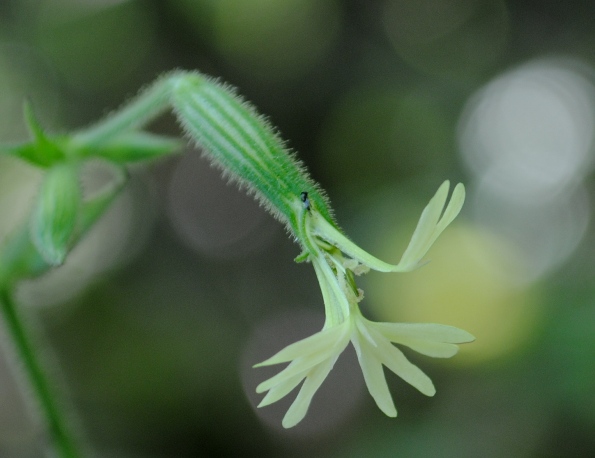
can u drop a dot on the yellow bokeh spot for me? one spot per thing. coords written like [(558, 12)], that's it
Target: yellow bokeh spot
[(472, 282)]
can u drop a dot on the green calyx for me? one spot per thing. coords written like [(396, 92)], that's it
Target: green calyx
[(56, 212), (244, 144), (45, 151)]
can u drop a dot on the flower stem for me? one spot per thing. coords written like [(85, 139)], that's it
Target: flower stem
[(144, 108), (63, 439)]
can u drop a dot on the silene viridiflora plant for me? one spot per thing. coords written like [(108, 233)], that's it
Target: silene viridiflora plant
[(243, 144)]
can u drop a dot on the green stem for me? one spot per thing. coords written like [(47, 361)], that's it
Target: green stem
[(63, 439), (150, 103)]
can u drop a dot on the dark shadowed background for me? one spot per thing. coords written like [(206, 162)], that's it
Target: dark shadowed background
[(153, 324)]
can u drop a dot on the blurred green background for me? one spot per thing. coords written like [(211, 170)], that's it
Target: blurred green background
[(153, 324)]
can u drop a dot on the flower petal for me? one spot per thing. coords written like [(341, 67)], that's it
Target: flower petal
[(429, 348), (427, 331), (395, 360), (374, 376), (296, 367), (299, 408), (453, 208), (328, 232), (281, 390), (430, 225), (323, 341), (336, 306)]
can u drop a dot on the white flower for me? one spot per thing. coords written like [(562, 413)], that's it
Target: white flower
[(312, 358)]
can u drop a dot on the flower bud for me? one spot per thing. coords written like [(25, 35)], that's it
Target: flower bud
[(55, 215)]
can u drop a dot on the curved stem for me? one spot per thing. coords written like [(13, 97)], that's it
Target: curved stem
[(63, 439), (144, 108)]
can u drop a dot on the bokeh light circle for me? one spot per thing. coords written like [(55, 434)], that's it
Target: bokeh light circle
[(531, 129), (470, 282), (212, 217), (543, 234)]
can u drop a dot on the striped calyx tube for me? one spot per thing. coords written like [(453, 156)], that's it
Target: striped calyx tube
[(246, 147)]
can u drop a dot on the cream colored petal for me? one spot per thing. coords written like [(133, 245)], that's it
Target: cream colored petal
[(296, 367), (336, 306), (374, 376), (321, 342), (328, 232), (299, 408), (453, 209), (430, 225), (429, 348), (393, 358), (281, 390), (428, 331), (428, 220)]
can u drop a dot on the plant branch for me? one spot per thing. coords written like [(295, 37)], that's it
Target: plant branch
[(57, 424)]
